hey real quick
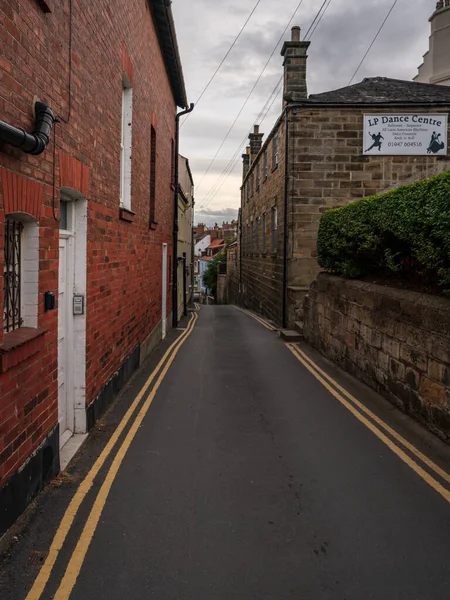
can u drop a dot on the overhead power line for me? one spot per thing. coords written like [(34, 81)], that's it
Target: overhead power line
[(373, 42), (315, 19), (320, 18), (224, 58), (217, 186), (249, 95)]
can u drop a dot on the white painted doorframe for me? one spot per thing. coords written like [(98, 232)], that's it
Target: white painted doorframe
[(164, 291), (65, 337)]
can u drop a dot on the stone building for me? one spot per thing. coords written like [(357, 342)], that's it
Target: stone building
[(86, 219), (436, 62), (317, 156)]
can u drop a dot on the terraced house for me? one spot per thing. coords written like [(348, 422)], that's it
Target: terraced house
[(88, 96), (327, 150)]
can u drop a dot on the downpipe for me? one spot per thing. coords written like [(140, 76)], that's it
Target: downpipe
[(35, 142)]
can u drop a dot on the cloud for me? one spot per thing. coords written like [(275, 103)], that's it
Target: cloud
[(205, 31)]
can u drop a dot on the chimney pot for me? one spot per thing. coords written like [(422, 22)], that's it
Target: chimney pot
[(295, 33)]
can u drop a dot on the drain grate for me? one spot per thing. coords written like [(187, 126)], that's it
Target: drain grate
[(37, 557)]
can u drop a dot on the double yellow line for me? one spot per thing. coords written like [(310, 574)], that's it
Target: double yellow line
[(79, 554), (376, 425), (416, 460), (257, 318)]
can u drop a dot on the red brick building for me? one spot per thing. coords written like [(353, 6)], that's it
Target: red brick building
[(85, 226)]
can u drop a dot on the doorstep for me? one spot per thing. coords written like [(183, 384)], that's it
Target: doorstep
[(69, 448)]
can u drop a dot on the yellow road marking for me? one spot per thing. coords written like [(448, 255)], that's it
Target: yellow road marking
[(72, 510), (440, 489), (432, 465), (79, 554), (257, 318)]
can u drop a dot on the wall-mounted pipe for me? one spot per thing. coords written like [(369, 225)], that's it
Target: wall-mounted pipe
[(35, 142)]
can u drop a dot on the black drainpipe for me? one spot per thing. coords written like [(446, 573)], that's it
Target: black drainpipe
[(285, 219), (35, 142), (184, 286), (175, 219)]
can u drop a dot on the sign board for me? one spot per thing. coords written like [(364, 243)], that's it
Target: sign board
[(408, 134)]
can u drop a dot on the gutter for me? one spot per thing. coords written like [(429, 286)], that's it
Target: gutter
[(35, 142)]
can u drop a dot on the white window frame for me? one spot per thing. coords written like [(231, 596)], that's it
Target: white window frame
[(126, 143)]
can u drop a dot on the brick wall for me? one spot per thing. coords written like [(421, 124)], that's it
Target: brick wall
[(397, 341), (123, 303)]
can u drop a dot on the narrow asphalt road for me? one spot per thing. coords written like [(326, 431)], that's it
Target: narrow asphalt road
[(248, 479)]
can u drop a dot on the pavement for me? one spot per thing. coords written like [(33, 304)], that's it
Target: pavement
[(250, 469)]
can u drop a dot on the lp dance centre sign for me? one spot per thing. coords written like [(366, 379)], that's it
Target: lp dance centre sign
[(417, 134)]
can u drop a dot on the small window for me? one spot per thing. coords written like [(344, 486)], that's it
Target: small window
[(252, 184), (126, 143), (275, 151), (12, 276), (152, 175), (274, 229), (263, 234), (258, 177), (265, 167)]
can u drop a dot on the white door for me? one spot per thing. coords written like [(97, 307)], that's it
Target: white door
[(164, 290), (65, 329)]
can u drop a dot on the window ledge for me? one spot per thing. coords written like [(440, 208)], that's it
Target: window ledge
[(20, 344), (275, 168), (153, 225), (126, 215)]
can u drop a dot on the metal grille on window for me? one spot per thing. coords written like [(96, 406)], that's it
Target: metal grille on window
[(11, 315)]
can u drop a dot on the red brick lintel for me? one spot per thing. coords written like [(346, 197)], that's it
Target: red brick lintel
[(20, 344)]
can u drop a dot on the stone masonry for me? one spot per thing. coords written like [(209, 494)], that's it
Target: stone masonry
[(325, 168), (396, 341)]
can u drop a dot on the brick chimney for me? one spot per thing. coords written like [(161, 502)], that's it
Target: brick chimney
[(245, 163), (255, 142), (295, 57)]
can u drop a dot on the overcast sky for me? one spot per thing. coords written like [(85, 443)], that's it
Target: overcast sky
[(206, 29)]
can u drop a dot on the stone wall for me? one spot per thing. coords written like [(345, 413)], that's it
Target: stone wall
[(233, 274), (327, 169), (221, 292), (396, 341), (262, 261)]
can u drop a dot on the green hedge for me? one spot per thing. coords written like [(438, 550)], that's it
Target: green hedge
[(405, 231)]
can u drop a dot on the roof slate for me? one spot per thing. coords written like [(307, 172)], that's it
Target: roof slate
[(378, 90)]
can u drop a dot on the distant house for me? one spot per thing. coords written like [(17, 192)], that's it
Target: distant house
[(215, 247), (202, 244), (202, 266)]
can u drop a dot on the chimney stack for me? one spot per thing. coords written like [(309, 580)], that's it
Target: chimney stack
[(255, 142), (295, 57), (245, 162)]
